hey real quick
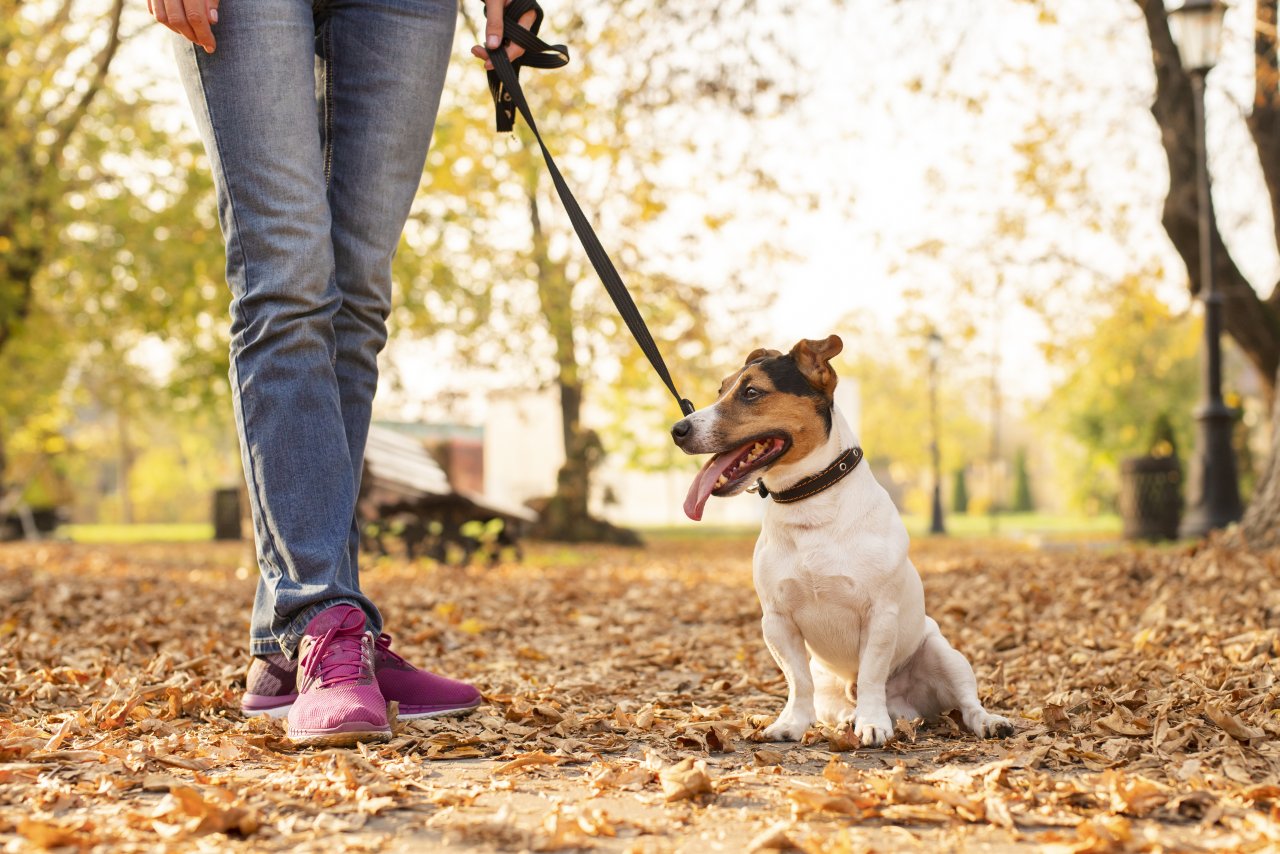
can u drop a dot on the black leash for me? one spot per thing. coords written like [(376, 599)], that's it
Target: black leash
[(504, 84), (841, 467)]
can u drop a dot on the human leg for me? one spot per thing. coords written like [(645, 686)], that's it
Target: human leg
[(254, 104), (381, 70)]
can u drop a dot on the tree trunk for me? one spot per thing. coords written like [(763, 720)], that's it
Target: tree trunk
[(4, 485), (1264, 119), (1252, 322), (1261, 523), (18, 268), (567, 515), (126, 465)]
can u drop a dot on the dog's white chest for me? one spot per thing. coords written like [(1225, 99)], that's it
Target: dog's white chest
[(816, 590)]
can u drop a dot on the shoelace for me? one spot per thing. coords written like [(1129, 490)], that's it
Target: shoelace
[(383, 644), (338, 657)]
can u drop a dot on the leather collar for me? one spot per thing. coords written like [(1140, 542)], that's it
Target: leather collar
[(840, 468)]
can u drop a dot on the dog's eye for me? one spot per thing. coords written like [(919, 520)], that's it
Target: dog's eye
[(751, 392)]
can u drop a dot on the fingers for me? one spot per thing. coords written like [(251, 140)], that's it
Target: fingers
[(526, 21), (480, 53), (191, 19), (176, 18), (198, 20), (493, 23), (493, 32)]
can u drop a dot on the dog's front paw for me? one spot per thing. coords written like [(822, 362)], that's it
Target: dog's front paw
[(872, 732), (786, 728), (990, 726)]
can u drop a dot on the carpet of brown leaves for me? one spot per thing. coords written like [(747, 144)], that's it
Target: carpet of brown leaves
[(624, 689)]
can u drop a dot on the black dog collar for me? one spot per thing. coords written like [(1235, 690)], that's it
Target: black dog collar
[(814, 483)]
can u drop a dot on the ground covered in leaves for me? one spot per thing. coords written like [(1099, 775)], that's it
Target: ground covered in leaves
[(624, 693)]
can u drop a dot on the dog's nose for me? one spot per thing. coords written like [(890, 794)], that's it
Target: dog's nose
[(681, 430)]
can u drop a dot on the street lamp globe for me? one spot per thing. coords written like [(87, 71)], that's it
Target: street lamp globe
[(1196, 27), (934, 346)]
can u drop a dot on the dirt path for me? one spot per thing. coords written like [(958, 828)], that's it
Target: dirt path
[(624, 690)]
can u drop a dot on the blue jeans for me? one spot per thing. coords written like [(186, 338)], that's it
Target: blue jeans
[(316, 118)]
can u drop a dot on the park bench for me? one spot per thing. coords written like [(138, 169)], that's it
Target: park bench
[(31, 523), (406, 500)]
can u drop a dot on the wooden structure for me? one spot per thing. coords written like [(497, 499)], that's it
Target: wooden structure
[(406, 495)]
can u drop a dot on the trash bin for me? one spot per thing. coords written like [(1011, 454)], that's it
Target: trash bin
[(226, 514), (1151, 497)]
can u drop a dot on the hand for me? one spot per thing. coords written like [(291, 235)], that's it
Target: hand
[(492, 29), (190, 19)]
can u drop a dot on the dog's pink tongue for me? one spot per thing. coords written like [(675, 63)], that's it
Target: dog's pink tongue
[(704, 483)]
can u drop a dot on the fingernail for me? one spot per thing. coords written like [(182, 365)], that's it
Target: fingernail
[(495, 41), (213, 16)]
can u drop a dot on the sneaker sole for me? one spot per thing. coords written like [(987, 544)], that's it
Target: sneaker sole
[(269, 711), (340, 739), (283, 711), (439, 713)]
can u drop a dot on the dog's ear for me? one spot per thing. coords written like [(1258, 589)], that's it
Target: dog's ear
[(760, 353), (813, 358)]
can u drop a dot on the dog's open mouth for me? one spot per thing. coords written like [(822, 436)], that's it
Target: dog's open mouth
[(725, 474)]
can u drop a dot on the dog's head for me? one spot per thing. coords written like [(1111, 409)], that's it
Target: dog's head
[(776, 407)]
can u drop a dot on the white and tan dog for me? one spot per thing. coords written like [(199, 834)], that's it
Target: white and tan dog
[(843, 605)]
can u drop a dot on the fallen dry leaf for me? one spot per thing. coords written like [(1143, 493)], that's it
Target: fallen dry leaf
[(528, 760), (686, 779), (1143, 682)]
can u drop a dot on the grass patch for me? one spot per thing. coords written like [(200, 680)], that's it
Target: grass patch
[(176, 533), (958, 525), (1019, 524), (686, 533)]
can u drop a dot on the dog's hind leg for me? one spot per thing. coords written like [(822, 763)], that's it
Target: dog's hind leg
[(953, 686), (784, 640), (830, 694)]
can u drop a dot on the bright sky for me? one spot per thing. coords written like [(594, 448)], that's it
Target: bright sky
[(895, 169)]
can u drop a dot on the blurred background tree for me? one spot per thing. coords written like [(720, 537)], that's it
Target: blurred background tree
[(111, 263), (491, 268), (53, 67), (1041, 222), (1135, 367), (1251, 315)]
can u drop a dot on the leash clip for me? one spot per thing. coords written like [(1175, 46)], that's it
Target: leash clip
[(759, 488)]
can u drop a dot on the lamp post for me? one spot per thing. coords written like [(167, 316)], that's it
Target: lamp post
[(1214, 495), (936, 525)]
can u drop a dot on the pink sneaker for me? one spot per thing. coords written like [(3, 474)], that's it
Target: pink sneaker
[(420, 693), (338, 701), (270, 687)]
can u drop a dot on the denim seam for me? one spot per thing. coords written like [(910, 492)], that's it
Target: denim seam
[(328, 103), (292, 634), (216, 155), (330, 64)]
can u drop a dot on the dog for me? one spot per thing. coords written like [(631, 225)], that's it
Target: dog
[(843, 606)]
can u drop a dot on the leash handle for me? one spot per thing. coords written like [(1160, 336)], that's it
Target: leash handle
[(537, 54), (506, 94)]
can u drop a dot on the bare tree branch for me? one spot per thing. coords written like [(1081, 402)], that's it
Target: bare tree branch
[(101, 63)]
